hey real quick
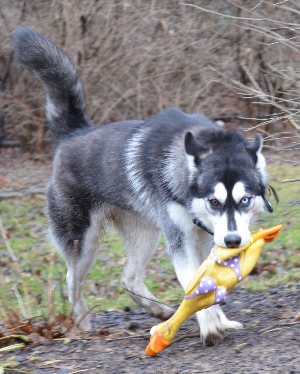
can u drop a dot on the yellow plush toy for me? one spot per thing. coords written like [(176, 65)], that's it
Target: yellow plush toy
[(220, 272)]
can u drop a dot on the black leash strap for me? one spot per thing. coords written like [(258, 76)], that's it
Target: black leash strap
[(197, 222), (147, 298)]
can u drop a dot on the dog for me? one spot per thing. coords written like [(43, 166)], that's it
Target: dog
[(176, 174)]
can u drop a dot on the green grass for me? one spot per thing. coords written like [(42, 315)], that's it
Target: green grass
[(26, 226), (25, 223), (280, 259)]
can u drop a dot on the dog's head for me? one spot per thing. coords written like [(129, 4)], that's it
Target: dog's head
[(228, 184)]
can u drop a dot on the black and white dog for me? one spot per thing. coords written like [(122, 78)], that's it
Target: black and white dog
[(171, 173)]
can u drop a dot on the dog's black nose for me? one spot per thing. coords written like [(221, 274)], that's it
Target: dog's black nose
[(232, 240)]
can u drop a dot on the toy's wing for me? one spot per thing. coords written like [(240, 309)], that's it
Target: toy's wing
[(196, 277)]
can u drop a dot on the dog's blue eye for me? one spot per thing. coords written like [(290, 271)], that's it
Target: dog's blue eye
[(245, 202), (215, 204)]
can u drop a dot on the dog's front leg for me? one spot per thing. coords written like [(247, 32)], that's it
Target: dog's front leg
[(188, 246)]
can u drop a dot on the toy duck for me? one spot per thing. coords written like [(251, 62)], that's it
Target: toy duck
[(220, 272)]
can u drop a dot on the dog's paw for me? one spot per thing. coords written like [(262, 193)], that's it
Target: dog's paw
[(211, 339), (85, 324), (228, 324), (210, 331), (82, 318), (162, 312), (213, 323)]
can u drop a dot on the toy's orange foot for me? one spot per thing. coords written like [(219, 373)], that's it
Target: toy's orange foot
[(157, 344), (273, 234), (268, 234)]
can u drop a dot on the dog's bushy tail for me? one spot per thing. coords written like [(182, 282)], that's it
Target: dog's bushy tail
[(65, 102)]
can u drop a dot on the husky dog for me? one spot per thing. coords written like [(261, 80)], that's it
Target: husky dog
[(174, 173)]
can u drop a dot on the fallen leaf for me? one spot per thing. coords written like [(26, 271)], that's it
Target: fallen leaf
[(37, 339), (64, 340), (15, 336), (247, 311), (240, 346), (297, 317), (12, 347), (33, 358), (51, 362)]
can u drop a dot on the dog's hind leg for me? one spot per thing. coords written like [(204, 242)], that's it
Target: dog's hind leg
[(140, 239), (77, 239), (79, 263), (79, 256)]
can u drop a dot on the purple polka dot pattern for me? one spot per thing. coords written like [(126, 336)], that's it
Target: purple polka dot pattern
[(206, 285), (214, 257), (233, 263), (220, 295)]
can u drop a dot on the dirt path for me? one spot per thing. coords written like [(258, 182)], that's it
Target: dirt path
[(19, 173), (269, 342)]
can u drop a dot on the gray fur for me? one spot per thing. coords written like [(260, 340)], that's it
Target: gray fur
[(142, 177), (65, 108)]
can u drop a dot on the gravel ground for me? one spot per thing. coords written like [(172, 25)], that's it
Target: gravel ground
[(269, 343)]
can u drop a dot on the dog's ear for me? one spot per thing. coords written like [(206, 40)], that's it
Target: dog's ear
[(195, 148), (273, 192), (254, 148), (268, 205)]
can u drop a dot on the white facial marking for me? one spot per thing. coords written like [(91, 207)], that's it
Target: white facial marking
[(242, 226), (220, 224), (238, 191), (220, 192)]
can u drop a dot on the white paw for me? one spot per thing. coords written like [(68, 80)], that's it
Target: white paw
[(213, 323), (228, 324)]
